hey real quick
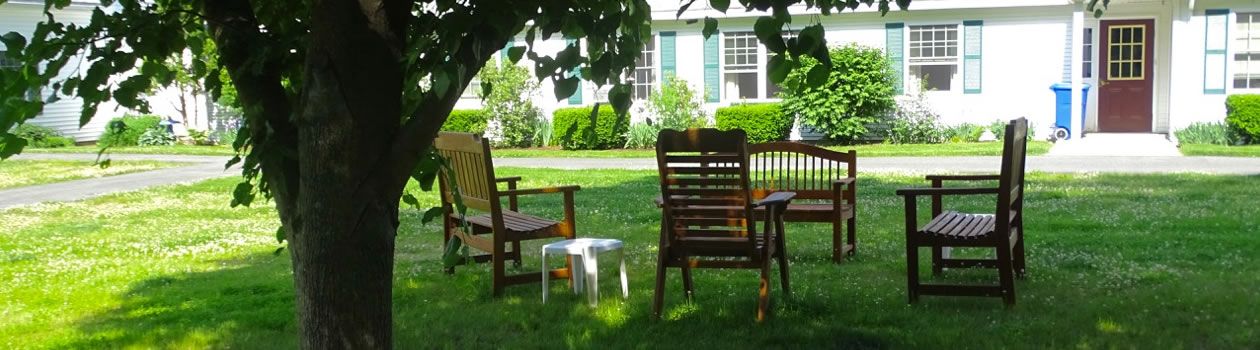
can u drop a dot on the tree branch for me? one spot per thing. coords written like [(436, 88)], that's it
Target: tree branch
[(234, 29)]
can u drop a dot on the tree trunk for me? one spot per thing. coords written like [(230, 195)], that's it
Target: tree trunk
[(346, 214)]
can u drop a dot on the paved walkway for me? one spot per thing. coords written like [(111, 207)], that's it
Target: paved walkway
[(199, 168), (207, 167)]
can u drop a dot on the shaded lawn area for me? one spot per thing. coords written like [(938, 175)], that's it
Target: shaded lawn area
[(20, 172), (1147, 261), (186, 150), (1220, 150), (871, 150)]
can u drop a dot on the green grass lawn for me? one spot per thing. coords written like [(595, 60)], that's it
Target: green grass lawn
[(873, 150), (1220, 150), (187, 150), (20, 172), (1115, 261)]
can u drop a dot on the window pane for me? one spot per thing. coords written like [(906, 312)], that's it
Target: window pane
[(741, 85), (937, 77)]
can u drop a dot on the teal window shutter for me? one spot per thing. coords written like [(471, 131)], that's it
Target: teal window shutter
[(894, 42), (1215, 51), (669, 63), (973, 43), (576, 99), (712, 82)]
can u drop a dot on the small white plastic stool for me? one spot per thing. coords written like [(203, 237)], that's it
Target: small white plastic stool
[(587, 250)]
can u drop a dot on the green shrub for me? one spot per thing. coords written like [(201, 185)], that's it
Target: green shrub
[(573, 128), (510, 103), (1242, 113), (1208, 133), (998, 128), (642, 136), (157, 136), (764, 122), (42, 137), (467, 120), (859, 91), (676, 106), (965, 132), (126, 131)]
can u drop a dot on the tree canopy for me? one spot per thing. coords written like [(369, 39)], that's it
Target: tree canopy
[(342, 99)]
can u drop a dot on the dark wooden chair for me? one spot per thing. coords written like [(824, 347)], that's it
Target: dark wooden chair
[(493, 228), (708, 218), (826, 179), (1003, 230)]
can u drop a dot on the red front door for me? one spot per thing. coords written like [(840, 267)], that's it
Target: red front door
[(1126, 75)]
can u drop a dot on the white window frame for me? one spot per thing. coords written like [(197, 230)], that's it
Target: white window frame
[(1238, 36), (1089, 45), (654, 70), (955, 84), (758, 68)]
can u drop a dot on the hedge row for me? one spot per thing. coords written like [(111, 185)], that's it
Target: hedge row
[(467, 120), (764, 122), (126, 131), (576, 128), (1242, 113)]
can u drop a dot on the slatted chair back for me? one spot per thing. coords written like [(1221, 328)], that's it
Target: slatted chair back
[(807, 170), (468, 157), (704, 188), (1011, 181)]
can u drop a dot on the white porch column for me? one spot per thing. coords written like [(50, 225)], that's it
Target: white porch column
[(1078, 25)]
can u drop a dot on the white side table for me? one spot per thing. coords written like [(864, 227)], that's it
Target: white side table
[(587, 250)]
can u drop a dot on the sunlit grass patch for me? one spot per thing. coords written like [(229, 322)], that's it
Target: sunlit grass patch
[(1150, 261), (20, 172)]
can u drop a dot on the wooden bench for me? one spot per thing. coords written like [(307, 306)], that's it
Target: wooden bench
[(825, 183)]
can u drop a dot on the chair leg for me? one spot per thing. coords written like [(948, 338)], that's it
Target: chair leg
[(782, 253), (1020, 262), (689, 286), (658, 297), (1006, 273), (852, 228), (763, 296), (545, 276), (912, 271), (500, 270), (516, 249), (938, 263), (837, 242)]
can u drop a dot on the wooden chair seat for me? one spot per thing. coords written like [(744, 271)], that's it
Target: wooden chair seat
[(515, 222), (961, 226)]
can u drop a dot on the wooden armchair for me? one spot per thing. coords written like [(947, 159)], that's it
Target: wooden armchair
[(827, 177), (708, 218), (1003, 230), (471, 174)]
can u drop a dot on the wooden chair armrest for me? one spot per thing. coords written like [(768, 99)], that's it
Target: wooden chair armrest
[(777, 198), (963, 177), (508, 179), (542, 190), (947, 191), (848, 181)]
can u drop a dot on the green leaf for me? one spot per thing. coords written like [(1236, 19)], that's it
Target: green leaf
[(778, 68), (514, 53), (431, 214), (13, 41), (104, 164), (441, 83), (280, 234), (243, 194), (566, 87), (487, 87), (720, 5), (619, 96), (451, 256), (710, 27), (817, 76), (411, 200), (10, 145)]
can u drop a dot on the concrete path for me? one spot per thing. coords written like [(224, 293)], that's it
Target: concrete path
[(199, 168), (207, 167)]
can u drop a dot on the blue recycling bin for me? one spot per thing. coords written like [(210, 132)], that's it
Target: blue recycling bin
[(1063, 109)]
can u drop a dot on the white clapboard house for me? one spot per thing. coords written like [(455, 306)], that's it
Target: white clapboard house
[(1154, 65)]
